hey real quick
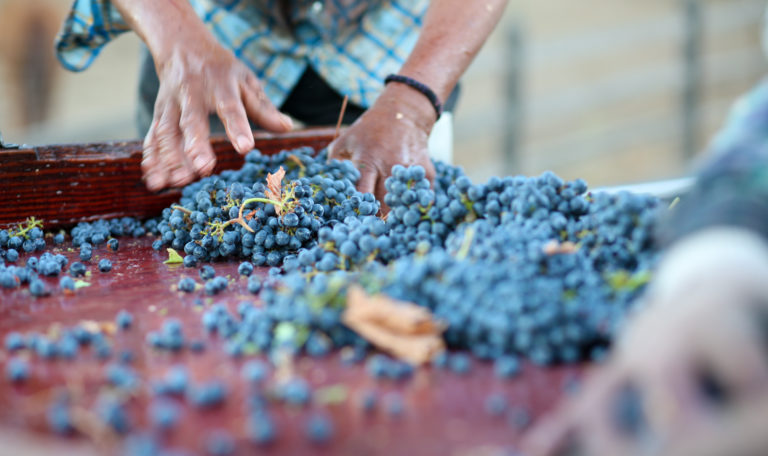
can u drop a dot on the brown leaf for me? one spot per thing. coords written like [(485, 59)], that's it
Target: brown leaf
[(275, 185), (403, 329), (275, 188)]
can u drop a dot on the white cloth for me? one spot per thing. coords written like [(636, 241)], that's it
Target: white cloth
[(441, 139)]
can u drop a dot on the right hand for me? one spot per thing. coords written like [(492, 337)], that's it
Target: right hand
[(198, 77)]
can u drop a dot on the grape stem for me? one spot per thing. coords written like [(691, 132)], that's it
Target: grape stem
[(181, 208), (240, 220)]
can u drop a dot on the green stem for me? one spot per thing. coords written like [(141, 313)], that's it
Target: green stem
[(261, 200)]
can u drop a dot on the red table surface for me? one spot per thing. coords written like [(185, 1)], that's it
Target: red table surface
[(443, 414)]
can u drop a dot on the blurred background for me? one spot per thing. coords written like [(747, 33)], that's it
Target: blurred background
[(614, 91)]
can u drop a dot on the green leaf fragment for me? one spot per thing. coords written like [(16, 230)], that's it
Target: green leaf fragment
[(331, 394), (173, 257), (623, 280), (81, 284)]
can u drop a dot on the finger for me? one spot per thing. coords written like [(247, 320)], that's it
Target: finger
[(381, 191), (196, 129), (576, 420), (171, 147), (429, 167), (150, 164), (368, 175), (231, 111), (260, 109)]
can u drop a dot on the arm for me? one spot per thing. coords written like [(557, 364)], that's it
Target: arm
[(197, 77), (396, 128)]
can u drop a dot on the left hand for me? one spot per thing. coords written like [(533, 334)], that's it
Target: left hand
[(694, 362), (393, 131)]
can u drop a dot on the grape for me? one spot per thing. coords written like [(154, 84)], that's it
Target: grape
[(14, 341), (262, 429), (319, 429), (67, 283), (105, 265), (245, 268), (220, 443), (17, 370), (38, 288), (255, 371), (11, 255), (163, 415), (113, 413), (295, 391), (207, 395), (187, 284), (495, 404), (77, 269), (124, 319)]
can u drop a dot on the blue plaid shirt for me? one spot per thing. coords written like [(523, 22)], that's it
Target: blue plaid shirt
[(352, 44)]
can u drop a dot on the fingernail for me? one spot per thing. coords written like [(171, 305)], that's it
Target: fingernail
[(200, 163), (286, 121), (243, 143), (153, 182)]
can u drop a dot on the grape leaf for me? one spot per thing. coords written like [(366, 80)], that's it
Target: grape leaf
[(403, 329), (173, 257)]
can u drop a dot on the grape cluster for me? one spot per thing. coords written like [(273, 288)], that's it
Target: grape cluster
[(237, 214), (520, 265)]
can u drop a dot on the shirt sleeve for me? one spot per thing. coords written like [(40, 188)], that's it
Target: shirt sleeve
[(90, 25), (732, 186)]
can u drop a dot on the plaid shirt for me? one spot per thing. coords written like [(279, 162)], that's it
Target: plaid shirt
[(352, 44)]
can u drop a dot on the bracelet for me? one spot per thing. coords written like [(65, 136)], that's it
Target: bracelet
[(423, 88)]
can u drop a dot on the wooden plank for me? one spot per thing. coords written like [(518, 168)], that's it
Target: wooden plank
[(65, 184)]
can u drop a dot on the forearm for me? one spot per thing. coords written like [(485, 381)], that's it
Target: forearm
[(162, 25), (452, 34)]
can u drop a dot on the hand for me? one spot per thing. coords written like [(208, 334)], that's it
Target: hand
[(198, 77), (691, 371), (393, 131)]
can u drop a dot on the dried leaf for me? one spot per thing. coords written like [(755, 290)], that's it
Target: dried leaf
[(173, 257), (553, 247), (275, 185), (403, 329)]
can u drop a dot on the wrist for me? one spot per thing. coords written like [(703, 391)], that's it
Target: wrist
[(407, 103)]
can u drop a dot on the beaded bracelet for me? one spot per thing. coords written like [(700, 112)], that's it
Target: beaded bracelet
[(423, 88)]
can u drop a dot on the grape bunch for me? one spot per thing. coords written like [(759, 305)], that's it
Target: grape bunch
[(239, 214), (519, 265)]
